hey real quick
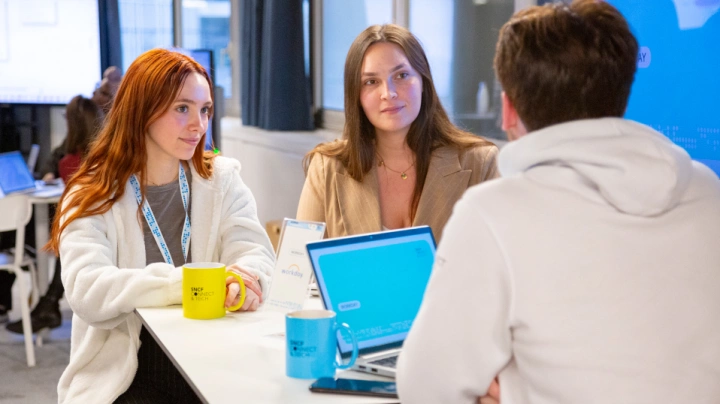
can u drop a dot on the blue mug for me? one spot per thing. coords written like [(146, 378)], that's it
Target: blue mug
[(312, 344)]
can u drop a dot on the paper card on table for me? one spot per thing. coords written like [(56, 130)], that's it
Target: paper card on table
[(293, 271)]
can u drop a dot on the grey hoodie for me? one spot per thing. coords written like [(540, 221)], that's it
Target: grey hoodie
[(588, 273), (631, 166)]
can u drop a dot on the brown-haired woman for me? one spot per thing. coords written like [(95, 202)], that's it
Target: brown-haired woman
[(148, 173), (401, 161), (84, 118)]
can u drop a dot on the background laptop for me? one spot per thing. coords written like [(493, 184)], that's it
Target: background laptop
[(14, 174), (375, 283)]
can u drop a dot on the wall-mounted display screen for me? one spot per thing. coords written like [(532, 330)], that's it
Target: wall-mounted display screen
[(677, 85), (49, 50)]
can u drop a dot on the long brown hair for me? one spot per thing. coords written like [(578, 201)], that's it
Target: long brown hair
[(431, 129), (84, 119), (147, 91)]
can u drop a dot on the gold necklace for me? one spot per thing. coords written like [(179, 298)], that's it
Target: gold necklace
[(403, 173)]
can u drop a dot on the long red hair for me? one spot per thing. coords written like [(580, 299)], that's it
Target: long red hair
[(147, 91)]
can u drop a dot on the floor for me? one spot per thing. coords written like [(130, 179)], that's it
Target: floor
[(20, 384)]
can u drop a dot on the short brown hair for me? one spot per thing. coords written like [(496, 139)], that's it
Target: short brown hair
[(563, 62)]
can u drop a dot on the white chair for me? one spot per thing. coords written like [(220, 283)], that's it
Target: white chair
[(16, 211)]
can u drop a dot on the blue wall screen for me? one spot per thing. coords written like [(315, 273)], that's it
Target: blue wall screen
[(677, 85)]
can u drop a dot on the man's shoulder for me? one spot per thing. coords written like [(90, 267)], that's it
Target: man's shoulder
[(704, 183)]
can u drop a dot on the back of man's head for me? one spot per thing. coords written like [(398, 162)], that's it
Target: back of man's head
[(105, 92), (564, 62)]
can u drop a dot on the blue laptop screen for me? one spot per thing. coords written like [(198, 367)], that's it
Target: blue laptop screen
[(14, 174), (375, 283)]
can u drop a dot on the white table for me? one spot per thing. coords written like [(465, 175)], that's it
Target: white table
[(239, 358), (41, 200)]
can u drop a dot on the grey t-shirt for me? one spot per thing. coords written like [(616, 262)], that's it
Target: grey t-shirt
[(166, 204)]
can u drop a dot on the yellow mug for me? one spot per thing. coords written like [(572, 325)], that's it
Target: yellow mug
[(203, 288)]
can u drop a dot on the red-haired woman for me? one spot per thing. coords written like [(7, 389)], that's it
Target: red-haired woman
[(148, 173)]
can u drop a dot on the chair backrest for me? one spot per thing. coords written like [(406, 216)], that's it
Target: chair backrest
[(15, 212)]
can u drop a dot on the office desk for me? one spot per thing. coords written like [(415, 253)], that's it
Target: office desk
[(41, 200), (238, 358)]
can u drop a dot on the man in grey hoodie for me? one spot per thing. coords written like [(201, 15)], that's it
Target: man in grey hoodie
[(588, 273)]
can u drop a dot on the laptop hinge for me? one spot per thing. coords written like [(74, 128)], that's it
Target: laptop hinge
[(391, 352)]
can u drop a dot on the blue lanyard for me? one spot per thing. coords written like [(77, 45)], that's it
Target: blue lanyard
[(152, 223)]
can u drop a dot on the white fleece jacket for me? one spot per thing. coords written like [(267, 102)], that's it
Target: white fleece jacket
[(106, 277), (589, 273)]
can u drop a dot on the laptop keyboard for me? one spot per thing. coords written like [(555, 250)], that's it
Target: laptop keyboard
[(390, 362)]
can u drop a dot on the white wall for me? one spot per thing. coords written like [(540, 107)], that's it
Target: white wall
[(271, 164)]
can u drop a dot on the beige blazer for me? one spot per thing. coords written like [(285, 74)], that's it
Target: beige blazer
[(350, 207)]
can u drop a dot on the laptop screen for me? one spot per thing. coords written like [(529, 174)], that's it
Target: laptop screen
[(14, 174), (375, 283)]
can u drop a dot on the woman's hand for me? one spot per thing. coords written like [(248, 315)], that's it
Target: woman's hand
[(493, 394), (252, 288)]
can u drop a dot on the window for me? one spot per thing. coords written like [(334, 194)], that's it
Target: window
[(342, 21), (144, 25), (427, 19), (206, 25), (459, 38), (202, 24)]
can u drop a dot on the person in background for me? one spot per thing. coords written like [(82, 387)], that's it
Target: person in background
[(401, 161), (589, 272), (104, 93), (102, 96), (149, 153), (48, 315), (84, 118)]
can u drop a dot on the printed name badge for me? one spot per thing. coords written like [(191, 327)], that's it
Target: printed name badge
[(292, 268)]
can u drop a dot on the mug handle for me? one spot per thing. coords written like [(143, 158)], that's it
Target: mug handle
[(355, 347), (243, 292)]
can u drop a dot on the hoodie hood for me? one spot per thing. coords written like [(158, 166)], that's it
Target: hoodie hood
[(631, 166)]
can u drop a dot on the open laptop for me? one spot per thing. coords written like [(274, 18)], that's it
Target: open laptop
[(14, 174), (375, 283)]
